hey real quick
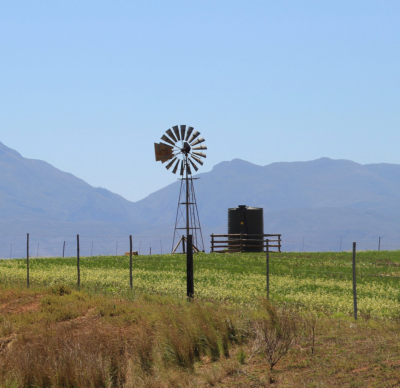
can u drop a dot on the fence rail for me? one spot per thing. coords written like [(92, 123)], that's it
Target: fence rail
[(243, 242)]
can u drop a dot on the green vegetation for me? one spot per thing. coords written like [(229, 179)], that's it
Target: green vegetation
[(321, 281)]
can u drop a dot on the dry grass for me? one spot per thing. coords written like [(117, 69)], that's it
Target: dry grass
[(59, 337)]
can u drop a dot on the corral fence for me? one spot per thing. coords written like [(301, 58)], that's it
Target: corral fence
[(242, 242)]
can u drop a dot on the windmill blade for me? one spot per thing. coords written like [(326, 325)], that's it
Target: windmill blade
[(197, 159), (176, 130), (195, 134), (167, 140), (200, 154), (193, 165), (202, 147), (183, 131), (182, 165), (198, 141), (169, 165), (171, 135), (189, 132), (176, 167)]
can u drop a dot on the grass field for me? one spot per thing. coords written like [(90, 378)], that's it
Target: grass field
[(321, 281)]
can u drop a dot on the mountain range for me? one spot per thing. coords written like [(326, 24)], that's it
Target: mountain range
[(323, 200)]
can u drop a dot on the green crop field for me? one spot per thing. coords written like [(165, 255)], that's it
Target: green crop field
[(322, 281)]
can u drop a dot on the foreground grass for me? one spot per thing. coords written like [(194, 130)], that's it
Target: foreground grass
[(60, 337), (322, 281)]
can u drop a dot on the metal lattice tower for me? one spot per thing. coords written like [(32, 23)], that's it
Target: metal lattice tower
[(183, 150)]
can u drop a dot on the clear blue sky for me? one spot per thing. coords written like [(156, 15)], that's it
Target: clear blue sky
[(89, 86)]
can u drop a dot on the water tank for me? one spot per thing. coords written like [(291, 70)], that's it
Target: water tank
[(247, 220)]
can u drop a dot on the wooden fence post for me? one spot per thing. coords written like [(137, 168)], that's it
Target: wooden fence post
[(130, 261), (354, 281), (212, 243), (77, 260), (189, 267), (267, 269), (27, 260)]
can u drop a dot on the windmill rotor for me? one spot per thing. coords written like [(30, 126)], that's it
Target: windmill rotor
[(181, 144)]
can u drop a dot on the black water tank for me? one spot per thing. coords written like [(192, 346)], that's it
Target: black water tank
[(247, 220)]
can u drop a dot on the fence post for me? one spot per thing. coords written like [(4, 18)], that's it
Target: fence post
[(379, 246), (267, 269), (130, 260), (27, 260), (77, 260), (354, 281), (212, 243), (189, 267)]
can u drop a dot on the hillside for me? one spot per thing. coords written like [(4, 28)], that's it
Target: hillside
[(321, 199)]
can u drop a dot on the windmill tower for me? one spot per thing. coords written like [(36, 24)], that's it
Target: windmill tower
[(181, 148)]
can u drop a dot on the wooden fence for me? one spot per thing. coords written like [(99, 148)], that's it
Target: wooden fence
[(225, 243)]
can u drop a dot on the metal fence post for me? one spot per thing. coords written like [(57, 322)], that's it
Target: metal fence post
[(77, 260), (354, 281), (130, 260), (189, 267), (27, 260), (267, 269), (379, 245)]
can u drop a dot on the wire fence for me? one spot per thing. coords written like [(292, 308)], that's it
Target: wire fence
[(14, 245), (342, 264)]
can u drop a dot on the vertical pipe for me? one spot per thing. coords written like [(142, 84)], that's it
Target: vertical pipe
[(187, 203), (77, 260), (379, 245), (268, 269), (27, 260), (64, 249), (130, 261), (189, 267), (354, 281)]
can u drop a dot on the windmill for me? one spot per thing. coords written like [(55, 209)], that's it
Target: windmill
[(181, 148)]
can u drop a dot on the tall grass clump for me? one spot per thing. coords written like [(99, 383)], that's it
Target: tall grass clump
[(144, 343)]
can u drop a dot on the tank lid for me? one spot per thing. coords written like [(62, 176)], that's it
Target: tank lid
[(242, 206)]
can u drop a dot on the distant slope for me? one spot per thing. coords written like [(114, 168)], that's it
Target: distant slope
[(323, 199), (33, 188)]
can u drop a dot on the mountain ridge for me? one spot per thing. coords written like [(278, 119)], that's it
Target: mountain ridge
[(322, 198)]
